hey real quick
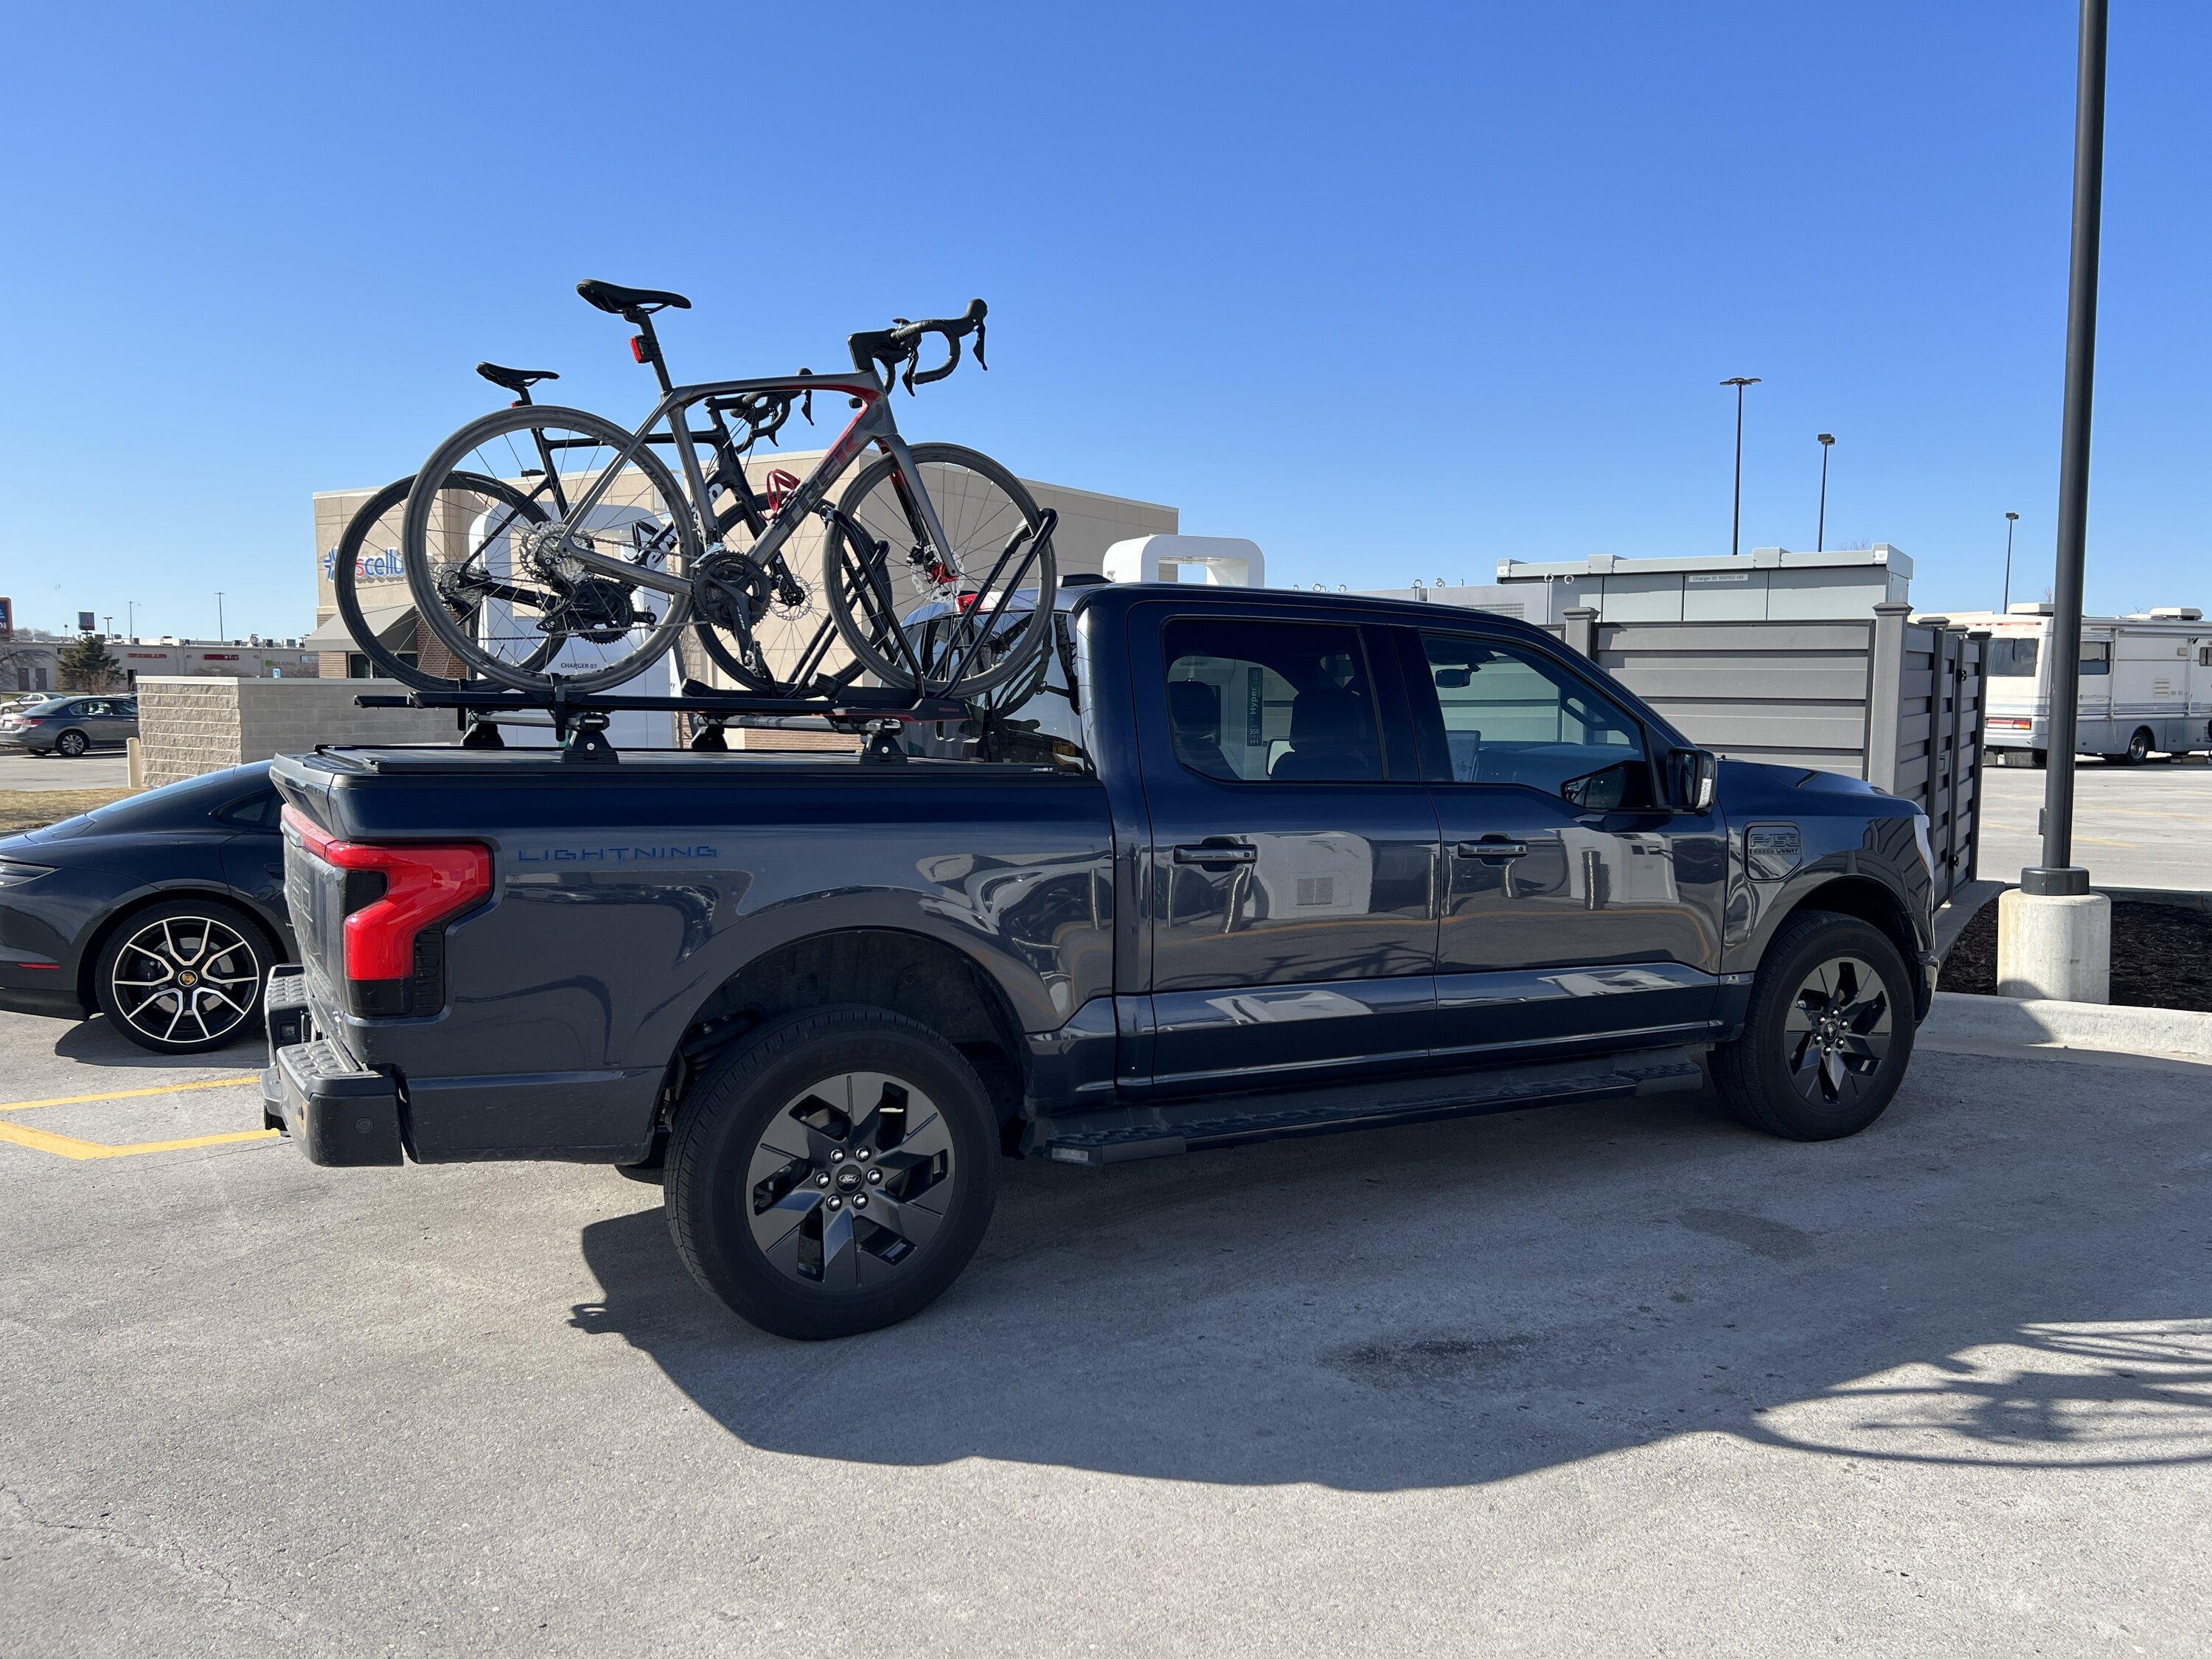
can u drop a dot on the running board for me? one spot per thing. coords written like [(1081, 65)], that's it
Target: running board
[(1126, 1133)]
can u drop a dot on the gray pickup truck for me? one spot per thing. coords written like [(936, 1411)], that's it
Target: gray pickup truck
[(1237, 864)]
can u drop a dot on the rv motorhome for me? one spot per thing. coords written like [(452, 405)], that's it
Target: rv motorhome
[(2146, 683)]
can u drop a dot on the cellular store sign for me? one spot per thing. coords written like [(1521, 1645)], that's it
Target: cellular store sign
[(374, 566)]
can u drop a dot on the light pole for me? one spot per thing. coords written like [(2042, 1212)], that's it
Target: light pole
[(2011, 519), (131, 618), (2054, 935), (1821, 535), (218, 613), (110, 621), (1735, 534)]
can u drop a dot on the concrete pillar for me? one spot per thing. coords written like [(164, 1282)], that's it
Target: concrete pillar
[(2055, 947)]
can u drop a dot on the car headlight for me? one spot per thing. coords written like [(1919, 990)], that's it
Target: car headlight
[(14, 874)]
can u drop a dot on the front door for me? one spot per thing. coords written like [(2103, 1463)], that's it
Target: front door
[(1575, 909), (1293, 856)]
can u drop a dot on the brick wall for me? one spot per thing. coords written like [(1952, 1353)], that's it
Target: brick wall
[(189, 727)]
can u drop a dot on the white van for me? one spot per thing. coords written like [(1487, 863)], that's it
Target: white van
[(2146, 683)]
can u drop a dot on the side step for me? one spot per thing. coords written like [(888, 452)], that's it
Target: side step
[(1125, 1133)]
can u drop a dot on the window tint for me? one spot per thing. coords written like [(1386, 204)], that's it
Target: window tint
[(1286, 702), (2013, 658), (1511, 715)]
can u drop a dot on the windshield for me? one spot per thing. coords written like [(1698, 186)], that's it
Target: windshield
[(2013, 658)]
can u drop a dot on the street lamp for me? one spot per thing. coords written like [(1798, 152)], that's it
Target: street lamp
[(2011, 519), (1736, 535), (218, 613), (1820, 536)]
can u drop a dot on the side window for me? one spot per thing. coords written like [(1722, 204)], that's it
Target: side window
[(2096, 657), (1511, 715), (257, 812), (1278, 702)]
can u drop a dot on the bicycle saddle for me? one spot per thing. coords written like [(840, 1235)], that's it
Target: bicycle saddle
[(514, 380), (620, 301)]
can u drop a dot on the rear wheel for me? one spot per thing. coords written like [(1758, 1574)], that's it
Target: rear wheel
[(872, 590), (184, 976), (522, 580), (70, 745), (2138, 749), (833, 1173), (370, 549), (1828, 1034)]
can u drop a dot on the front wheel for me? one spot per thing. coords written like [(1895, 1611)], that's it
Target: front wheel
[(1828, 1034), (833, 1173), (926, 617)]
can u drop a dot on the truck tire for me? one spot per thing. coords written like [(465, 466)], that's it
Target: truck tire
[(833, 1173), (1828, 1034)]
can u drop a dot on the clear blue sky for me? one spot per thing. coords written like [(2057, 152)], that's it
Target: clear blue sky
[(1397, 291)]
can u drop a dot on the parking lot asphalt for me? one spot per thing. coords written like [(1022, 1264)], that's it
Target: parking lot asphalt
[(103, 769), (1621, 1378), (2134, 826)]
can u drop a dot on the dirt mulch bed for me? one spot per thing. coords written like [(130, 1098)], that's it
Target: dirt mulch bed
[(2161, 956), (34, 809)]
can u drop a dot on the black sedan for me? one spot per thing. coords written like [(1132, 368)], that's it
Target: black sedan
[(164, 911)]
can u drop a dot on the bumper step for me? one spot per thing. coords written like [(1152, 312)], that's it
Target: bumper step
[(339, 1113), (1096, 1138)]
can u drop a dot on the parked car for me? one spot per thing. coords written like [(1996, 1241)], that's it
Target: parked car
[(69, 725), (164, 911), (1245, 863)]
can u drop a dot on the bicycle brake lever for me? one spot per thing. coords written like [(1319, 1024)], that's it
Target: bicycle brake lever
[(806, 399), (980, 363)]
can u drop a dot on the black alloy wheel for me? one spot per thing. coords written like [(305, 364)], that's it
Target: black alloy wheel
[(833, 1172), (1828, 1033)]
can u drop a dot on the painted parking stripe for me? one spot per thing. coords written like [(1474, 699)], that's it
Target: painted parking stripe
[(133, 1094), (41, 1140)]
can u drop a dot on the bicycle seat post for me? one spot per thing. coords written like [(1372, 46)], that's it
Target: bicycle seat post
[(645, 347)]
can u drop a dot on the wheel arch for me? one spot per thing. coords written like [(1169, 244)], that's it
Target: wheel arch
[(1866, 900), (909, 973)]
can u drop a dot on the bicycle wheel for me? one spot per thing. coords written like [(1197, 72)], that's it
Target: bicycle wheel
[(496, 586), (982, 509), (373, 536)]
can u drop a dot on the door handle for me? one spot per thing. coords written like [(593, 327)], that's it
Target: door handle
[(1491, 846), (1217, 851)]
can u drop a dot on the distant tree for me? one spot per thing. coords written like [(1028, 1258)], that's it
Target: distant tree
[(86, 666)]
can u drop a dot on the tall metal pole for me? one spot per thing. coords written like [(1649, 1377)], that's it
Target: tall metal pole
[(218, 613), (2058, 873), (1735, 534), (2011, 520), (1821, 535)]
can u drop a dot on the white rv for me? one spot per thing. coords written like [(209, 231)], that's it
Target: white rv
[(2146, 683)]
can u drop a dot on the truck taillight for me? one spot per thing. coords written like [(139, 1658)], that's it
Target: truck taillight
[(390, 933)]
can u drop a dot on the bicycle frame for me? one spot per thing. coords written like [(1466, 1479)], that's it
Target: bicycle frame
[(873, 425)]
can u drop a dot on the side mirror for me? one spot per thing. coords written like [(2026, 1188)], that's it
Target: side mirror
[(1693, 780)]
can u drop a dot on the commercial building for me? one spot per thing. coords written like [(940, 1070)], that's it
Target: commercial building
[(1090, 523), (28, 659)]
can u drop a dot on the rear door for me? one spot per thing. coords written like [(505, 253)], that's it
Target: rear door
[(1292, 873), (1574, 910)]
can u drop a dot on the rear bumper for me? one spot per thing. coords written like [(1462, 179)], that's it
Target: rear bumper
[(339, 1114)]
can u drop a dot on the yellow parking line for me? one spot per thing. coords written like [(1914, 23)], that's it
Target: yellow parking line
[(41, 1140), (132, 1094)]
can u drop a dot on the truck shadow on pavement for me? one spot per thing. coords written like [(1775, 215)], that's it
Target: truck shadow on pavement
[(2015, 1268)]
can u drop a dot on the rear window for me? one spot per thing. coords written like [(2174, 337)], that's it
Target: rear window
[(2013, 658)]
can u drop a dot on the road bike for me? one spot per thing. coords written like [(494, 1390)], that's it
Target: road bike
[(630, 558)]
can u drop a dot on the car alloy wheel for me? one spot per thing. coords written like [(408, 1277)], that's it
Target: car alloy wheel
[(70, 745), (1837, 1033), (186, 979), (849, 1181)]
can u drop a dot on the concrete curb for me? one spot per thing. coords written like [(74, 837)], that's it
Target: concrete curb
[(1958, 1018)]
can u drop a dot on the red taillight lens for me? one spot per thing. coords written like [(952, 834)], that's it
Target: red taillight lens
[(637, 349), (422, 884)]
